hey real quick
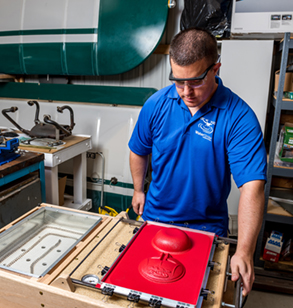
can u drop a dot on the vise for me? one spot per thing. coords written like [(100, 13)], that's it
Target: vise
[(8, 150)]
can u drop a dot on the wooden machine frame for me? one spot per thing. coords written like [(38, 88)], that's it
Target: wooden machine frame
[(56, 290)]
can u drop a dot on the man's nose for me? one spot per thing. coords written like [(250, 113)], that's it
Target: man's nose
[(187, 89)]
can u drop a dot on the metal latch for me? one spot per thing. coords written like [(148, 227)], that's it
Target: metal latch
[(108, 291), (133, 297)]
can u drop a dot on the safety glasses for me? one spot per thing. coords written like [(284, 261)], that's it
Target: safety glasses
[(194, 82)]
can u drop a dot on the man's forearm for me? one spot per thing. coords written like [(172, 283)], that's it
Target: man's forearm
[(138, 167), (250, 215)]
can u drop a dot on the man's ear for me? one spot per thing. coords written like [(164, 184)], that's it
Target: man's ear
[(216, 67)]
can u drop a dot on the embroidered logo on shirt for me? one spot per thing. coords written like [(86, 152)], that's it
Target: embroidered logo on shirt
[(207, 137), (207, 128)]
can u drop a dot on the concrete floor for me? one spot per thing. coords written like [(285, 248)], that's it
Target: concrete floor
[(259, 299)]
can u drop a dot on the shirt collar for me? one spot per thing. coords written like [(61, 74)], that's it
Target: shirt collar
[(218, 100)]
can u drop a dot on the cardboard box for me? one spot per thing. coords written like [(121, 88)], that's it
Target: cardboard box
[(288, 84), (271, 256), (273, 247), (278, 236)]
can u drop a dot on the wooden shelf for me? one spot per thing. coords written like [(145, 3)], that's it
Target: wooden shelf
[(275, 281), (280, 266), (275, 209), (285, 99)]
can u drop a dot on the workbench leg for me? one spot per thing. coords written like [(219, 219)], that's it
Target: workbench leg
[(52, 189), (79, 178), (42, 179)]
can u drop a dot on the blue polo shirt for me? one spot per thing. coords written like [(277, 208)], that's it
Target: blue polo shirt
[(193, 156)]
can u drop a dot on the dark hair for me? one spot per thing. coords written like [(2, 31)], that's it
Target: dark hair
[(191, 45)]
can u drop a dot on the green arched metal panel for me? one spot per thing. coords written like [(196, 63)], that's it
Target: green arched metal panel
[(124, 35), (129, 31)]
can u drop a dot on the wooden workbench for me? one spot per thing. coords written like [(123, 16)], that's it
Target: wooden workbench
[(75, 148), (22, 186), (28, 162), (69, 142)]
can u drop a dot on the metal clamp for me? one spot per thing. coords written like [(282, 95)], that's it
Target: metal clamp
[(205, 292), (155, 303), (212, 264), (108, 291), (238, 294), (133, 297)]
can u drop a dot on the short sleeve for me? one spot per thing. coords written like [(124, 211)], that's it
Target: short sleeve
[(141, 140), (246, 150)]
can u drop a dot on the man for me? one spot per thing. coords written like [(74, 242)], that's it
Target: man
[(199, 132)]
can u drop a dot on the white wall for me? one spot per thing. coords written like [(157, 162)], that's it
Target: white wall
[(246, 70)]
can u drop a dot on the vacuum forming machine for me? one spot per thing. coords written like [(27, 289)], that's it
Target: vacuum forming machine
[(58, 257)]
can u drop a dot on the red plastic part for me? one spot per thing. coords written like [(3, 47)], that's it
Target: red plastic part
[(172, 240), (144, 267), (162, 269)]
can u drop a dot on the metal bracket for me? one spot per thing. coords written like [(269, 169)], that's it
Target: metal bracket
[(108, 291), (133, 297)]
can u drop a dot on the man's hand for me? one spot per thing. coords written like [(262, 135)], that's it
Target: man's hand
[(138, 201), (138, 167), (243, 264)]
